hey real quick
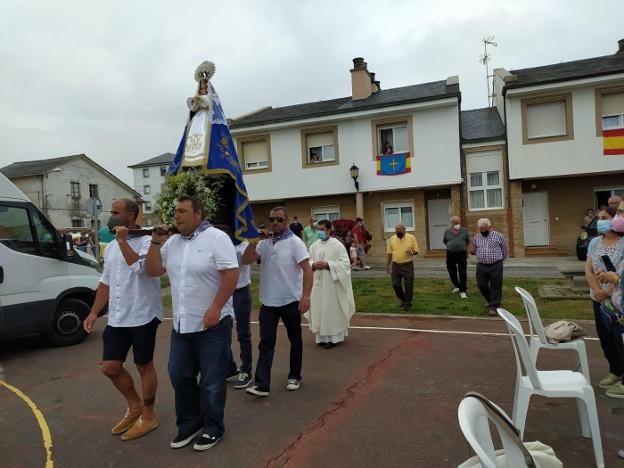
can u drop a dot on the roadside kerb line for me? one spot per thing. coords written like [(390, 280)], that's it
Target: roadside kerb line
[(45, 430), (421, 330)]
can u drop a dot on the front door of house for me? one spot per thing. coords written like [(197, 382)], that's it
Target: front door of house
[(536, 224), (439, 221)]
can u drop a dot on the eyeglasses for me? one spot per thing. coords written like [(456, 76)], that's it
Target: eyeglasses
[(276, 219)]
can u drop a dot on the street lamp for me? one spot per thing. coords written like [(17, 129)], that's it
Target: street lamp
[(354, 171), (44, 197)]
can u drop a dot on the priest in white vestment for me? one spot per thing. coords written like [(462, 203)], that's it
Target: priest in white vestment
[(331, 302)]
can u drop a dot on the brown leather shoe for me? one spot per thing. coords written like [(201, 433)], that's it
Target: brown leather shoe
[(140, 428), (492, 312), (126, 422)]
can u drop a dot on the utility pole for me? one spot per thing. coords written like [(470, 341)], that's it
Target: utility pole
[(485, 60)]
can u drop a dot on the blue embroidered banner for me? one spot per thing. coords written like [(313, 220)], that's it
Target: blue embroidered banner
[(393, 164)]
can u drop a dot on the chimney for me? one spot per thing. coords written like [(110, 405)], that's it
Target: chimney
[(374, 84), (361, 86), (620, 50)]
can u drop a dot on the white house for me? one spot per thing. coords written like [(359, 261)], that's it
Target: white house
[(148, 177), (301, 156), (60, 187)]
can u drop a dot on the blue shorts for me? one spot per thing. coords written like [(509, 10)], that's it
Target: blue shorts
[(119, 340)]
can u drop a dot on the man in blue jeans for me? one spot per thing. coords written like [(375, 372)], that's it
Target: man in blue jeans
[(242, 311), (203, 272)]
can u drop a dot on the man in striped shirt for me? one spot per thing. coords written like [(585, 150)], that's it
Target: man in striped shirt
[(490, 248)]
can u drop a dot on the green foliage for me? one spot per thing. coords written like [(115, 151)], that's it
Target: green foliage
[(192, 183)]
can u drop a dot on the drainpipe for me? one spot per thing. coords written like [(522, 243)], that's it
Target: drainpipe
[(509, 209)]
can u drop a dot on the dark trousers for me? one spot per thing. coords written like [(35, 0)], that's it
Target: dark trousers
[(610, 334), (490, 282), (403, 274), (206, 352), (242, 312), (269, 318), (456, 263)]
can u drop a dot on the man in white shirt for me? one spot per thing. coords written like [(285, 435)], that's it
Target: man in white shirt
[(203, 272), (242, 312), (134, 313), (285, 285)]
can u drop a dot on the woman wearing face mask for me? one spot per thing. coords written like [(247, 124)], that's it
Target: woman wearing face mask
[(611, 244)]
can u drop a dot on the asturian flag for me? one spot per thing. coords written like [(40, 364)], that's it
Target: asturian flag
[(613, 142), (207, 143), (393, 164)]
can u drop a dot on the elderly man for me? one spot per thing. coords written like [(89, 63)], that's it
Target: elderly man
[(401, 249), (614, 201), (203, 272), (134, 313), (456, 240), (285, 285), (490, 248), (331, 304)]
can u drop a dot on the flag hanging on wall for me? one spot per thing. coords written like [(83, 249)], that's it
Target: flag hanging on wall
[(393, 164), (613, 142)]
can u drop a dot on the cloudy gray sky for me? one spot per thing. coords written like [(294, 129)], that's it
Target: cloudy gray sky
[(110, 79)]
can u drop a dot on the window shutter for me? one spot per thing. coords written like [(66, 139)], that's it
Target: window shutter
[(547, 119), (255, 151), (483, 162), (612, 104), (320, 139)]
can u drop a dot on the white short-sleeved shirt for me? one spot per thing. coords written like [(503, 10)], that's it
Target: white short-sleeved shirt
[(134, 297), (193, 267), (245, 270), (281, 277)]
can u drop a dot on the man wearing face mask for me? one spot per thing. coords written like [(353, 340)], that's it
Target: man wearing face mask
[(331, 304), (401, 249), (456, 240), (490, 248), (134, 313)]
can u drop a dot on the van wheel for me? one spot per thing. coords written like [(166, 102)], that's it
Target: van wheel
[(66, 326)]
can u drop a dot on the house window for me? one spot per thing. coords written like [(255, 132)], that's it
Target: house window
[(75, 190), (255, 153), (93, 191), (146, 172), (148, 206), (163, 171), (147, 189), (76, 222), (330, 213), (392, 139), (612, 107), (319, 146), (398, 212), (547, 119), (485, 187)]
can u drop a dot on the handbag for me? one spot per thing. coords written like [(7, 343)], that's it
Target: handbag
[(536, 454), (562, 331)]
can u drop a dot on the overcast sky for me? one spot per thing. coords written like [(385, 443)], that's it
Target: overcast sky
[(110, 79)]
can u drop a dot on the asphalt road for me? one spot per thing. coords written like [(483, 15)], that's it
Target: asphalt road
[(387, 397)]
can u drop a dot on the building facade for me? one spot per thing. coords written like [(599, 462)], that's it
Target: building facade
[(148, 177), (60, 188)]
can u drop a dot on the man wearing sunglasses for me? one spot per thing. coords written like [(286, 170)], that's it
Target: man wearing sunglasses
[(285, 286)]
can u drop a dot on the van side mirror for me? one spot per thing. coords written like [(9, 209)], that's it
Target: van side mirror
[(67, 246)]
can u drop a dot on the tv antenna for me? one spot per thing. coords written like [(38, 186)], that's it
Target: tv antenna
[(485, 60)]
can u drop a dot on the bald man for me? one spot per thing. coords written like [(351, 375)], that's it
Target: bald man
[(614, 201), (456, 240), (401, 249)]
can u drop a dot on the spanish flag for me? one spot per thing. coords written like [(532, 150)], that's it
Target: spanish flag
[(393, 164), (613, 142)]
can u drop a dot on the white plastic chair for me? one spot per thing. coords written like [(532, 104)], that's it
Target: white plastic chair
[(474, 423), (550, 384), (538, 338)]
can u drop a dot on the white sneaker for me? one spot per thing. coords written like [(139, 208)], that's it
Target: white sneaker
[(455, 290), (293, 384), (463, 295)]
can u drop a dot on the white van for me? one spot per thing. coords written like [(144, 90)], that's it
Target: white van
[(45, 289)]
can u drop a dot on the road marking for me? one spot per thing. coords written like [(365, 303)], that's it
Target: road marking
[(423, 330), (45, 430)]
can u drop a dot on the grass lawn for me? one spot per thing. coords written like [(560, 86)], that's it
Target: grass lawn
[(433, 296)]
